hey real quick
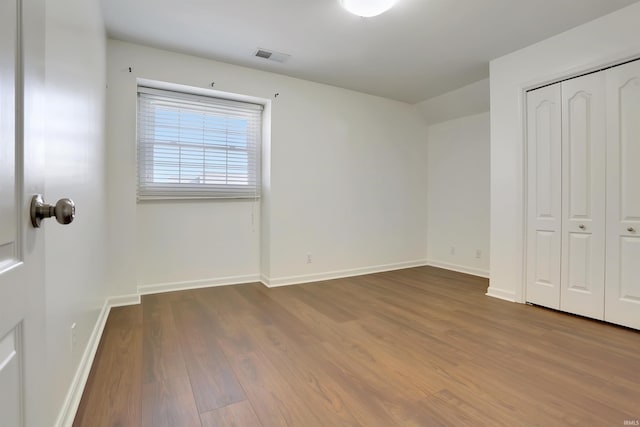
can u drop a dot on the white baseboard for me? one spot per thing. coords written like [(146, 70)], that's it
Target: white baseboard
[(459, 268), (197, 284), (72, 400), (265, 280), (501, 294), (271, 282), (123, 300)]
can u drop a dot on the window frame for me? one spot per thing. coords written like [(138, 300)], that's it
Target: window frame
[(147, 189)]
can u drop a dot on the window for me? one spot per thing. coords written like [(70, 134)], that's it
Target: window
[(196, 147)]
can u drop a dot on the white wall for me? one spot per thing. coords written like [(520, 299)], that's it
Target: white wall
[(465, 101), (347, 177), (347, 171), (604, 41), (74, 138), (458, 194), (185, 242)]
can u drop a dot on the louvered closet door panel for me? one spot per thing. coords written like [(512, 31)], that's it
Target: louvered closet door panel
[(622, 293), (583, 195), (544, 196)]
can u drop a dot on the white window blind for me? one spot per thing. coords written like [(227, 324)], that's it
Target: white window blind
[(193, 146)]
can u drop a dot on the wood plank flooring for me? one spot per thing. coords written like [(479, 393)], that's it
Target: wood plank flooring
[(416, 347)]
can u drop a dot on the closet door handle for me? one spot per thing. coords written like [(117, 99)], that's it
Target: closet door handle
[(631, 230)]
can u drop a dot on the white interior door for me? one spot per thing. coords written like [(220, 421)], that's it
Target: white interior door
[(583, 195), (544, 212), (21, 247), (622, 293)]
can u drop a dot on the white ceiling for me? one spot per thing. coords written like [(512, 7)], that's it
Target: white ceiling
[(418, 50)]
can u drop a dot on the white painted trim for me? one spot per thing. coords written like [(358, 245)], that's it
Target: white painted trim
[(196, 284), (521, 290), (339, 274), (501, 294), (72, 401), (596, 65), (176, 87), (123, 300), (459, 268), (264, 279)]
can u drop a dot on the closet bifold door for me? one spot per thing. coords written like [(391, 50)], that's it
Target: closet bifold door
[(583, 195), (544, 198), (622, 293)]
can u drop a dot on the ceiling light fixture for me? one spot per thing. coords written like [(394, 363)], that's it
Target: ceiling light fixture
[(367, 8)]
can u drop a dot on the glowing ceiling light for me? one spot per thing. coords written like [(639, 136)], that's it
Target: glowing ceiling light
[(367, 8)]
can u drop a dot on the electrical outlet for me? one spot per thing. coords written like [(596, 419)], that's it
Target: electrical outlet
[(452, 251), (309, 259), (478, 253), (74, 336)]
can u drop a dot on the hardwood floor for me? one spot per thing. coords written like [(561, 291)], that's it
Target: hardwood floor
[(417, 347)]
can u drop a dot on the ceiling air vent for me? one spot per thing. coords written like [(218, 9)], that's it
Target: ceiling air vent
[(271, 55), (263, 54)]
